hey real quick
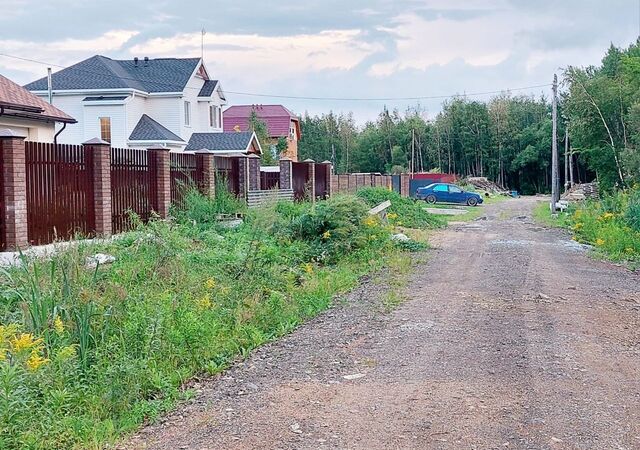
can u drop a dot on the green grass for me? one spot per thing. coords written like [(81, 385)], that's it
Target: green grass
[(611, 225), (87, 355)]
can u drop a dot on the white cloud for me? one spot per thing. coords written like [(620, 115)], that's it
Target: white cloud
[(482, 41), (263, 58), (63, 52)]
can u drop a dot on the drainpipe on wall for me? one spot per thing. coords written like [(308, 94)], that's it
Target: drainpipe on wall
[(55, 137)]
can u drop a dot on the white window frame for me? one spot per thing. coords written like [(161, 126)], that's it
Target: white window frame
[(187, 113)]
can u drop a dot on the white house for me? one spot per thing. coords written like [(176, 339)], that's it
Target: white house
[(27, 115), (136, 103)]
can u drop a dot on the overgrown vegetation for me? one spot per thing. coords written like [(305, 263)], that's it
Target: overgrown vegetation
[(611, 225), (87, 354), (403, 211)]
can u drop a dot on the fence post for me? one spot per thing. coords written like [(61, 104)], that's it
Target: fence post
[(243, 176), (311, 174), (205, 172), (159, 168), (98, 155), (14, 190), (285, 173), (253, 161)]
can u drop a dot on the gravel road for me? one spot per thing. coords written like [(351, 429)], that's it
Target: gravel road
[(511, 336)]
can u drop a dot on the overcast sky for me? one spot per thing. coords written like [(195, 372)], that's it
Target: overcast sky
[(324, 48)]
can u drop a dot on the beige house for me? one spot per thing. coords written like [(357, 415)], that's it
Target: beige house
[(28, 115)]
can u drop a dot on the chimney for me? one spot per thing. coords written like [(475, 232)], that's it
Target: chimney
[(146, 61), (135, 61)]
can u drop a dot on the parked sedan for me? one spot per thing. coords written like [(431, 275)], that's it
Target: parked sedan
[(447, 193)]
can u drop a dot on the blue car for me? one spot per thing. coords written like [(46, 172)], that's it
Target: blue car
[(447, 193)]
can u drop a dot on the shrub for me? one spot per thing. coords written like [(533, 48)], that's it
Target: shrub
[(409, 213)]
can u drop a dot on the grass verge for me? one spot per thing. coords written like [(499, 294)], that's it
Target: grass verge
[(87, 354)]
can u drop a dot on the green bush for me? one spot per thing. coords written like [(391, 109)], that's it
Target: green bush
[(610, 224), (409, 213)]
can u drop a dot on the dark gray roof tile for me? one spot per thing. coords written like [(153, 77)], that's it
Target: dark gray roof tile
[(229, 142), (100, 72), (148, 129)]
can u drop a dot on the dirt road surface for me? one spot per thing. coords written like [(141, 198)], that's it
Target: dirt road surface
[(511, 336)]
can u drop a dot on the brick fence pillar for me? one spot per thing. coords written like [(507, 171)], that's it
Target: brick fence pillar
[(98, 154), (328, 173), (243, 175), (159, 165), (205, 172), (311, 174), (13, 190), (285, 173), (253, 161)]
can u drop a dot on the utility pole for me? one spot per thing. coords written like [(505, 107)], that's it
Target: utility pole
[(555, 195), (566, 157), (413, 151)]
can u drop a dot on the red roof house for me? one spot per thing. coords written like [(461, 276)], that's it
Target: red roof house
[(28, 115), (281, 123)]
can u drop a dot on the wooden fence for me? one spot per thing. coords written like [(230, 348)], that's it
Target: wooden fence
[(59, 192), (132, 179), (350, 183)]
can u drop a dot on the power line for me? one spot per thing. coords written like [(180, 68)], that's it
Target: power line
[(293, 97)]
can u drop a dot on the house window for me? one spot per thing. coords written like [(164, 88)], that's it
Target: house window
[(187, 113), (105, 129), (215, 117)]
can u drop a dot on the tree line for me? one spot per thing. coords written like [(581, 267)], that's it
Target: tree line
[(507, 139)]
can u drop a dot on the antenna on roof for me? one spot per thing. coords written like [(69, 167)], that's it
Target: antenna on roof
[(202, 43)]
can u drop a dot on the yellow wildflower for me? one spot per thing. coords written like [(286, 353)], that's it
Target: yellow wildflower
[(578, 214), (210, 283), (399, 223), (628, 250), (204, 302), (7, 331), (392, 216), (58, 325), (3, 354), (370, 221), (66, 353), (578, 226), (308, 267), (326, 235), (600, 242), (35, 361), (25, 342)]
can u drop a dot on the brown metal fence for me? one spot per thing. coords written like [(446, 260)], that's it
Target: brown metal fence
[(59, 192), (227, 170), (269, 180), (3, 228), (300, 177), (132, 186), (323, 172), (183, 172)]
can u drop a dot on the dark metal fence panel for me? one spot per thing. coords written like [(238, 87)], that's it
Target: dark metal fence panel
[(322, 179), (299, 179), (227, 170), (3, 229), (183, 172), (59, 192), (132, 187), (269, 180)]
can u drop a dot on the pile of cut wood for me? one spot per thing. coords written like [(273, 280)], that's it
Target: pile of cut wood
[(581, 192), (484, 184)]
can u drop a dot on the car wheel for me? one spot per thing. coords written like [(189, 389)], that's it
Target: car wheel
[(431, 199), (472, 201)]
